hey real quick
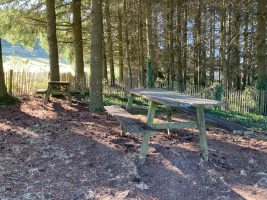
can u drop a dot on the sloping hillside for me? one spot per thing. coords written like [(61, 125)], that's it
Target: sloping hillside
[(19, 58)]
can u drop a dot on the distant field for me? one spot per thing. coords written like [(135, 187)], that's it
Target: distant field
[(19, 58)]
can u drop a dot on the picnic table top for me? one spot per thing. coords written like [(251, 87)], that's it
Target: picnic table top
[(59, 82), (172, 98)]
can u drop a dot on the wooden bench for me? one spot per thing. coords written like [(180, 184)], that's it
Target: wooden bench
[(130, 123), (43, 92), (57, 88)]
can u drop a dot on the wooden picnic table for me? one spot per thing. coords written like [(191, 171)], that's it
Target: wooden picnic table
[(58, 88), (172, 100)]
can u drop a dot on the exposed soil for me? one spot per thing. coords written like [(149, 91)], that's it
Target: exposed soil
[(59, 152)]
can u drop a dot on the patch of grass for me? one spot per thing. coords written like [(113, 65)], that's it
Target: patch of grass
[(122, 101), (8, 100), (116, 100), (257, 122)]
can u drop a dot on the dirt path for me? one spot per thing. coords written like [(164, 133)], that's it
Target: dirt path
[(61, 152)]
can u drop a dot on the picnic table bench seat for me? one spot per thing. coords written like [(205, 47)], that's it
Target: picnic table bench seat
[(130, 123), (43, 91)]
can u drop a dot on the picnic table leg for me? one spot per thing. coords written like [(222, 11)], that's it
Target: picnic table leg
[(169, 118), (122, 131), (47, 95), (130, 102), (151, 113), (69, 95), (202, 132), (144, 148)]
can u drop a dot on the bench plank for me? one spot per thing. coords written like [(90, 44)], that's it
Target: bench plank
[(127, 120), (131, 124), (41, 91)]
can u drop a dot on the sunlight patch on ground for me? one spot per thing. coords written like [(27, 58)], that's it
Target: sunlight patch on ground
[(19, 130), (249, 191)]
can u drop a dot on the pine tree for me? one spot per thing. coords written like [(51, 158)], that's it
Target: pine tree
[(52, 40), (96, 97), (78, 44), (261, 56)]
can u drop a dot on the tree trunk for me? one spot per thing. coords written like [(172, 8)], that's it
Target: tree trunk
[(3, 90), (230, 67), (203, 48), (197, 45), (185, 45), (127, 42), (212, 46), (179, 67), (223, 42), (52, 40), (109, 45), (104, 62), (261, 45), (96, 97), (78, 45), (251, 66), (141, 44), (120, 40), (155, 27), (245, 51), (170, 11), (236, 49), (150, 43)]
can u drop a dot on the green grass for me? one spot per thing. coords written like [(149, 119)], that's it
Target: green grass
[(122, 101), (115, 100), (8, 100), (257, 122)]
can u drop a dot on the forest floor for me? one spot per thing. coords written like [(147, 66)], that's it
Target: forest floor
[(59, 152)]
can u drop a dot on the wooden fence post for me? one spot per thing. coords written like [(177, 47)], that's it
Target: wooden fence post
[(10, 89)]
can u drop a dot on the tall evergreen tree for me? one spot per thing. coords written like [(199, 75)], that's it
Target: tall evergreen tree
[(109, 44), (96, 97), (52, 40), (78, 44), (261, 56)]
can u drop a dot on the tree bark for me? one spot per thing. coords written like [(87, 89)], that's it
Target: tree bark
[(127, 42), (3, 90), (78, 45), (230, 51), (222, 48), (245, 51), (120, 40), (236, 49), (197, 45), (96, 97), (261, 57), (203, 47), (141, 45), (170, 13), (52, 40), (212, 46), (179, 67), (104, 63), (185, 45), (150, 43), (109, 45)]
